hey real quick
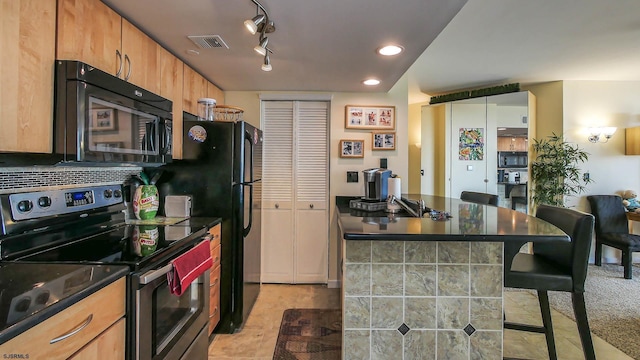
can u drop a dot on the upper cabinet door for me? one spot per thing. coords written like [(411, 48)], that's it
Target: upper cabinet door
[(141, 56), (215, 93), (172, 81), (195, 87), (89, 31), (27, 40)]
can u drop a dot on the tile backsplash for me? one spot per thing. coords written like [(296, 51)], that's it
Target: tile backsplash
[(35, 178)]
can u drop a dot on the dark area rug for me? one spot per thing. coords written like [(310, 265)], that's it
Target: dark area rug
[(309, 334)]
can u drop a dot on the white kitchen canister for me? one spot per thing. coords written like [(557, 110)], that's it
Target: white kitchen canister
[(206, 109)]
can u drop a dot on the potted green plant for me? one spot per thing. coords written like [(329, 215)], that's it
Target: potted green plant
[(555, 174)]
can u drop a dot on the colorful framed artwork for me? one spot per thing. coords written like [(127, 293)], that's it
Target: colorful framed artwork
[(471, 144), (372, 117)]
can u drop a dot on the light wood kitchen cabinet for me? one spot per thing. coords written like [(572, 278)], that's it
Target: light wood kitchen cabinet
[(141, 57), (111, 342), (195, 87), (214, 278), (295, 192), (90, 317), (89, 31), (171, 70), (27, 41), (508, 143), (215, 93)]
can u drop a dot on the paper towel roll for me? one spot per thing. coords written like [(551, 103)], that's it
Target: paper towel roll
[(394, 187)]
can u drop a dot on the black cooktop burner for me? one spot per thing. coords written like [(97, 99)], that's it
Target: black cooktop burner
[(134, 245)]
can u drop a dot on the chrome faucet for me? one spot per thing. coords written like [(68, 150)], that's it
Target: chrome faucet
[(392, 199)]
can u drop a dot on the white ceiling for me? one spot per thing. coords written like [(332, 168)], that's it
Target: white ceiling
[(330, 45)]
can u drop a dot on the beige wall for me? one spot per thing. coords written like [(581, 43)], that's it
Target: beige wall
[(338, 167), (603, 103), (414, 127), (548, 108)]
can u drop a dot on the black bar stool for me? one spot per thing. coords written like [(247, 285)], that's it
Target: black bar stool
[(479, 198), (556, 266)]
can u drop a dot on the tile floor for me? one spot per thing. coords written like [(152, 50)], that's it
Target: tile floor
[(258, 338)]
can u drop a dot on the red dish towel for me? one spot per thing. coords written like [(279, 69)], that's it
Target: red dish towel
[(188, 266)]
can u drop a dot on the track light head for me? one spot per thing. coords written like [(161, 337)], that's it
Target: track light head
[(261, 48), (266, 66), (253, 24)]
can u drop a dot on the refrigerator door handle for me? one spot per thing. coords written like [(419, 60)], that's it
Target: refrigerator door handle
[(248, 138), (245, 231)]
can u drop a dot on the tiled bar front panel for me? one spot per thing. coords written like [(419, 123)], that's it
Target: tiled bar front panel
[(406, 300)]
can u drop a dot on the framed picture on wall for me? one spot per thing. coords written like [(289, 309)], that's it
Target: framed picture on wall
[(383, 141), (351, 148), (373, 117)]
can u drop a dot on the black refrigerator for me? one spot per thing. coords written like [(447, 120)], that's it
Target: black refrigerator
[(222, 171)]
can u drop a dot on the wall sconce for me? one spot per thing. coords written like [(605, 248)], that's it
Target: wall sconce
[(597, 132), (261, 23)]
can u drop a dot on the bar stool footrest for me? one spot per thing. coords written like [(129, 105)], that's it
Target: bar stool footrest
[(524, 327)]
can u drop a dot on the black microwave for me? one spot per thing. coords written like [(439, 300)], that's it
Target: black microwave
[(512, 159), (99, 118)]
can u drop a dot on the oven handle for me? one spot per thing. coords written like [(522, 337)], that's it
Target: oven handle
[(149, 276)]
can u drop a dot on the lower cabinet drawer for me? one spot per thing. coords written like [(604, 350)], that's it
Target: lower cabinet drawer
[(68, 331), (111, 342), (214, 299)]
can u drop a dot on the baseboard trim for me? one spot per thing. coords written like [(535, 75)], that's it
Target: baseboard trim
[(334, 284)]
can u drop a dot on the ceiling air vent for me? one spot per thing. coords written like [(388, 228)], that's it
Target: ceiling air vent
[(208, 41)]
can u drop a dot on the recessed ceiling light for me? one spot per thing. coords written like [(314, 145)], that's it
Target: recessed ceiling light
[(371, 82), (390, 50)]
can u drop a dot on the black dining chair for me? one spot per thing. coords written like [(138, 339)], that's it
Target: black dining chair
[(612, 229), (479, 198), (556, 266)]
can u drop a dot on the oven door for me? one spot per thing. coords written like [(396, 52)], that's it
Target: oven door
[(166, 325)]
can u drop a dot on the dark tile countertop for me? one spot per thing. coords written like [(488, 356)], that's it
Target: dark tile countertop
[(31, 293), (468, 222)]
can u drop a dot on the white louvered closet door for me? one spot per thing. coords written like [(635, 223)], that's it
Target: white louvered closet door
[(295, 192), (311, 193), (277, 192)]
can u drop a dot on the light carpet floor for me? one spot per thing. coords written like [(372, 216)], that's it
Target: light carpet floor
[(613, 306)]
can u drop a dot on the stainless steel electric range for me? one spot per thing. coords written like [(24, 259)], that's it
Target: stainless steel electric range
[(87, 225)]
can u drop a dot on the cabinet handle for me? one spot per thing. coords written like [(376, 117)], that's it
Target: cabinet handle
[(119, 56), (126, 58), (74, 331), (277, 206), (310, 206), (215, 311)]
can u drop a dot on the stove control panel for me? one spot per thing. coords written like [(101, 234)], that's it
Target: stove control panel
[(33, 205)]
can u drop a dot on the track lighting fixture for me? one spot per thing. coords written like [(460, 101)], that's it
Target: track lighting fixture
[(266, 66), (261, 23), (261, 48), (252, 25)]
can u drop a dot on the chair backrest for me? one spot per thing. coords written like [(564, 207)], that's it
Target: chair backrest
[(610, 214), (479, 198), (574, 256)]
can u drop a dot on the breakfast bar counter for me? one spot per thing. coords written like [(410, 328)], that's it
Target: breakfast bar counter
[(419, 288)]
